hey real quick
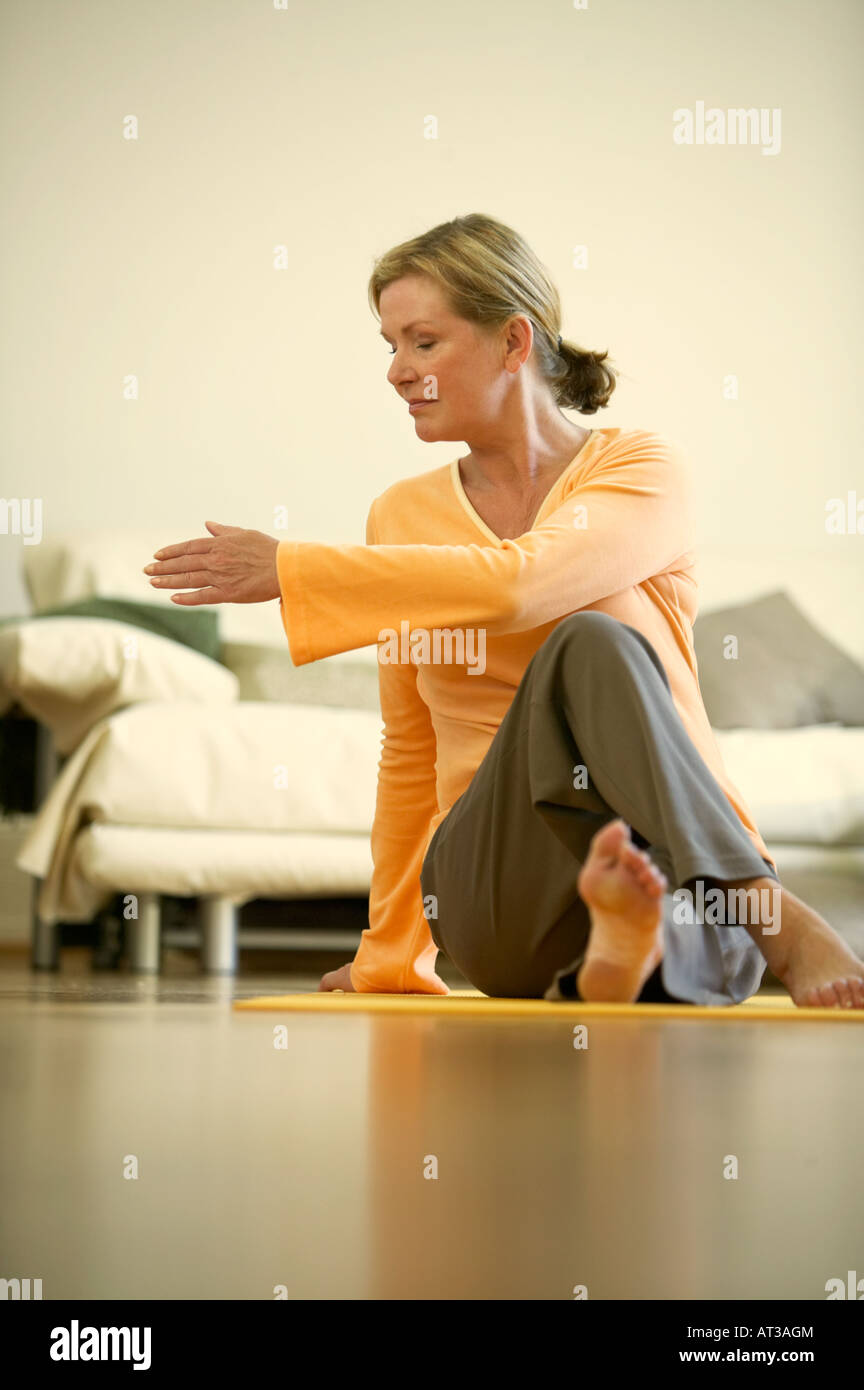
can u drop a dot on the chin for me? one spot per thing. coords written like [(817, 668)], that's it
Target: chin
[(432, 432)]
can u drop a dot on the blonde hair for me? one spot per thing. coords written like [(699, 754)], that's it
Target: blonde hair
[(488, 273)]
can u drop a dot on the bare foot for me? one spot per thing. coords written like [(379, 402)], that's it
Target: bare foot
[(623, 891), (839, 978), (807, 955)]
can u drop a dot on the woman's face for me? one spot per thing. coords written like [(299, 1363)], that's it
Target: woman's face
[(459, 374)]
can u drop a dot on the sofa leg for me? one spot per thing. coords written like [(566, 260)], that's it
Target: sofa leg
[(218, 936), (143, 935)]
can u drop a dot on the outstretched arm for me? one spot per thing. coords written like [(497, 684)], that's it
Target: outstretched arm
[(627, 519)]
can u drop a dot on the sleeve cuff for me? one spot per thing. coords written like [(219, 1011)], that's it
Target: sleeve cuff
[(292, 607)]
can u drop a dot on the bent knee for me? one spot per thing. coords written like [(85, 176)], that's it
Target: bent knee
[(587, 623), (514, 978), (594, 630)]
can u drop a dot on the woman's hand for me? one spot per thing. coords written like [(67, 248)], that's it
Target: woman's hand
[(228, 566), (338, 979)]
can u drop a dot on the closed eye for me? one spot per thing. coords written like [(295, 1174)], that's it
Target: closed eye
[(420, 345)]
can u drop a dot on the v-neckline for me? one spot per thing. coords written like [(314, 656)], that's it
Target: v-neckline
[(475, 516)]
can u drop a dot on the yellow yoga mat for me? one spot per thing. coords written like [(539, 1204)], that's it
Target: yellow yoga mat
[(470, 1002)]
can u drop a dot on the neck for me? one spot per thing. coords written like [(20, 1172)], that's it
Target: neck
[(517, 453), (519, 465)]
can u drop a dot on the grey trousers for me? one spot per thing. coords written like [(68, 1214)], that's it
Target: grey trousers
[(502, 866)]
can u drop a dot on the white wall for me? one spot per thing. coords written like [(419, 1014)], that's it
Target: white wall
[(304, 126)]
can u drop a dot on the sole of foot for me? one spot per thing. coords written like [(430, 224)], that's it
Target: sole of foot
[(623, 891)]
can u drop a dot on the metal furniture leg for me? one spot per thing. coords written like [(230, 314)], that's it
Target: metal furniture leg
[(218, 935), (144, 933), (44, 944)]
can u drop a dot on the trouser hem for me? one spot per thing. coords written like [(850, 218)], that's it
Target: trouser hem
[(727, 867)]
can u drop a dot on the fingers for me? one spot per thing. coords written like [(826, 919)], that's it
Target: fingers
[(173, 578), (210, 595), (200, 546)]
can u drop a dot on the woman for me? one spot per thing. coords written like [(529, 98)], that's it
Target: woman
[(508, 787)]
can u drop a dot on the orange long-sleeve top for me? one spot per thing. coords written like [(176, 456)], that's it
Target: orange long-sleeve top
[(614, 534)]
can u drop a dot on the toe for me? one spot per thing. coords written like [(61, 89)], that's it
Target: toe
[(643, 869), (843, 990), (857, 986), (828, 996), (634, 857), (611, 838), (646, 874), (639, 860)]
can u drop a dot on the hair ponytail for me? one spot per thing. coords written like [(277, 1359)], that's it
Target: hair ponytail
[(582, 382)]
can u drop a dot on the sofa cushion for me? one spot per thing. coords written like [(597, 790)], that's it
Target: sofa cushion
[(71, 672), (244, 766), (242, 864), (785, 673)]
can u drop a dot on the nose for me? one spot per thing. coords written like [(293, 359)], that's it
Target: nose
[(398, 373)]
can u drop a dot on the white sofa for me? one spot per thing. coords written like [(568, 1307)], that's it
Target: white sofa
[(240, 799)]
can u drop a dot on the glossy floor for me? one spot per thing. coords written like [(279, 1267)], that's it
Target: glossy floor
[(157, 1144)]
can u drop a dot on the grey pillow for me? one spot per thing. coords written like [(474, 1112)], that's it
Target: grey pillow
[(787, 673), (268, 673)]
